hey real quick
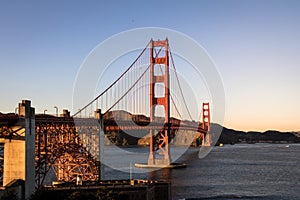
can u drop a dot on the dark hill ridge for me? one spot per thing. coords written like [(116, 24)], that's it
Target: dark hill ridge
[(230, 136)]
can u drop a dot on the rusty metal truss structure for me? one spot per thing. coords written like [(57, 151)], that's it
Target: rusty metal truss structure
[(62, 147), (69, 149), (1, 162), (11, 127)]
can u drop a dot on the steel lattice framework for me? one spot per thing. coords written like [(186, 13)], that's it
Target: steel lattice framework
[(67, 149), (60, 146)]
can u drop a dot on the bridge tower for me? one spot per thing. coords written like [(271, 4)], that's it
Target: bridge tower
[(206, 124), (155, 62)]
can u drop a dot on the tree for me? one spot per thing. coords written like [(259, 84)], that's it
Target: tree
[(9, 195), (103, 194)]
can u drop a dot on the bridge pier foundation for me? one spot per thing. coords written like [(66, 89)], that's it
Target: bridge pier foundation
[(206, 141), (158, 161), (28, 113), (99, 116), (151, 160), (19, 155)]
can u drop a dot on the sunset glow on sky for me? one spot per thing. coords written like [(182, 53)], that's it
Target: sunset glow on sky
[(255, 45)]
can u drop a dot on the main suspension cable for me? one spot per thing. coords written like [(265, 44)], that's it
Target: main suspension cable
[(180, 89), (95, 99)]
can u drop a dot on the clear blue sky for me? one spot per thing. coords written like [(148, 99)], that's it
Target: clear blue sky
[(255, 45)]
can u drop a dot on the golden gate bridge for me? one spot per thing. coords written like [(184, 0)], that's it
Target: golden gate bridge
[(148, 96)]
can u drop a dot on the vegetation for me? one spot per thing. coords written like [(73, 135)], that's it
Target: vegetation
[(103, 194), (9, 195)]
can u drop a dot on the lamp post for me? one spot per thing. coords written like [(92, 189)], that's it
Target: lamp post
[(45, 111), (56, 108)]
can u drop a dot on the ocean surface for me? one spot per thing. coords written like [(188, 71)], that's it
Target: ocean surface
[(241, 171)]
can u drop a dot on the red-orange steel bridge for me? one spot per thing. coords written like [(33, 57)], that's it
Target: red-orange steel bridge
[(69, 145)]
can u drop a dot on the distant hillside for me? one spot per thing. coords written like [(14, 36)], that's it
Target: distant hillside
[(230, 136)]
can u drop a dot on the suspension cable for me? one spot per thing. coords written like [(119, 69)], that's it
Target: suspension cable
[(185, 104), (157, 53), (169, 88), (176, 107), (113, 82), (128, 90)]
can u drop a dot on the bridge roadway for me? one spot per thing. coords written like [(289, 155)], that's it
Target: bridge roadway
[(11, 126), (117, 125), (112, 125)]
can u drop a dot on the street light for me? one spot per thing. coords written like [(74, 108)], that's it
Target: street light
[(45, 111), (56, 110)]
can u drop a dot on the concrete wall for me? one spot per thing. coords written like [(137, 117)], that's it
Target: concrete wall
[(30, 154), (14, 160)]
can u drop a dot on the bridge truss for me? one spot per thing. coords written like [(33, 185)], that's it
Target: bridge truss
[(60, 146)]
